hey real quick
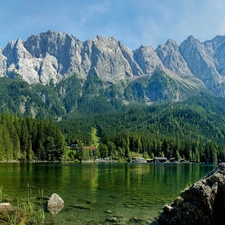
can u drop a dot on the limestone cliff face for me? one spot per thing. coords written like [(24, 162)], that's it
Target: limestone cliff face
[(216, 48), (52, 56), (200, 62), (172, 58), (148, 60), (3, 63)]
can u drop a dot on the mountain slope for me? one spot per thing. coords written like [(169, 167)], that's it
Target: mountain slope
[(53, 56), (197, 122), (61, 74)]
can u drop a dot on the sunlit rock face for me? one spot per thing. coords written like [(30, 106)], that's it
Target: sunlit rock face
[(51, 56)]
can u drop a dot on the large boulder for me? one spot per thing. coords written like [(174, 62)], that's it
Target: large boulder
[(55, 204), (203, 203)]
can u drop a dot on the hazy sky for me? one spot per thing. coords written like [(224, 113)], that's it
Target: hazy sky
[(134, 22)]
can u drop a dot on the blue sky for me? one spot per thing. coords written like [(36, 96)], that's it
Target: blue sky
[(133, 22)]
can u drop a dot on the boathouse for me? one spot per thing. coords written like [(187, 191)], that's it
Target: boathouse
[(160, 160)]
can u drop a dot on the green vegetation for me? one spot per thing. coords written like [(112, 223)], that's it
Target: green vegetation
[(94, 137), (76, 97), (27, 139), (70, 97), (193, 130), (27, 213), (21, 211), (157, 88), (93, 113)]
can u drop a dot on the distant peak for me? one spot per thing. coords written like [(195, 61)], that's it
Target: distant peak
[(191, 37), (170, 41), (219, 38), (99, 37), (18, 41), (192, 40)]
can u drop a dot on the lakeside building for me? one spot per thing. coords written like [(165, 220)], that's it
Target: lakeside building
[(157, 160), (139, 160)]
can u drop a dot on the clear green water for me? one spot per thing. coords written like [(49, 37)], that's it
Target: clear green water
[(107, 193)]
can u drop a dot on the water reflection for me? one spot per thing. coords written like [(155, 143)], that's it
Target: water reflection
[(93, 193)]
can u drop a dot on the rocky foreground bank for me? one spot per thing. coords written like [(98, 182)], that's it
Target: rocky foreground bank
[(203, 203)]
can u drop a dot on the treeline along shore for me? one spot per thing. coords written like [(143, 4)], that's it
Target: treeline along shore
[(28, 139)]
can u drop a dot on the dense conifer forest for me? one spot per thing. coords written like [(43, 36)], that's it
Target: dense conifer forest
[(27, 139), (193, 130)]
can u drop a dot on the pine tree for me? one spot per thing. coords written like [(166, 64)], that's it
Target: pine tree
[(80, 151), (16, 148), (8, 144), (24, 141), (50, 148)]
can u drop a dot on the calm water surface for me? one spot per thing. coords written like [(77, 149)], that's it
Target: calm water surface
[(106, 193)]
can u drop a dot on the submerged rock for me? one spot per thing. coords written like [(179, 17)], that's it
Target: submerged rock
[(203, 203), (55, 204), (112, 219), (109, 211)]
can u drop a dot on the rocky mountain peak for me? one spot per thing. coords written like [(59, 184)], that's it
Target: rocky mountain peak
[(147, 59), (172, 43), (215, 42), (191, 39), (200, 62), (216, 48), (172, 58), (53, 56), (104, 39), (50, 42)]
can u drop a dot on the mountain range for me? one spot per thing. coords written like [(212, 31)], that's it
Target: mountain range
[(53, 74)]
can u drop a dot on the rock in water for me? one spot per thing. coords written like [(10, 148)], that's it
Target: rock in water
[(203, 203), (55, 204)]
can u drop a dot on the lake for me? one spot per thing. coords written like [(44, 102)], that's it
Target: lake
[(102, 193)]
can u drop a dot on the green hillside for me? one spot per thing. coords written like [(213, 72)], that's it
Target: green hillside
[(193, 129)]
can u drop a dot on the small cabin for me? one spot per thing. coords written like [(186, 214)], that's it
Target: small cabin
[(150, 160), (173, 160), (160, 160), (73, 145)]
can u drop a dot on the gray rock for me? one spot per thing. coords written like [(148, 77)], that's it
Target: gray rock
[(147, 59), (200, 62), (55, 203), (203, 203), (172, 58), (52, 56), (112, 219), (109, 211)]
